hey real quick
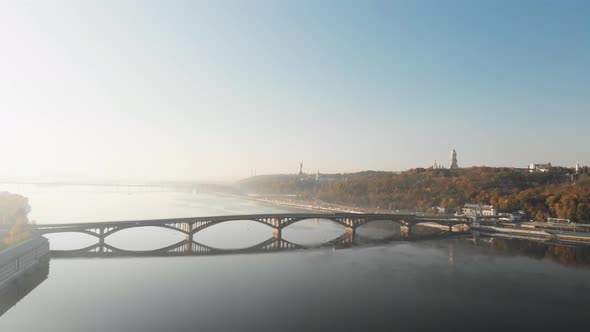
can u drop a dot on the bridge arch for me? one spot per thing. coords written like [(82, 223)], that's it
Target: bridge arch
[(334, 220), (277, 223), (72, 239), (399, 222), (73, 230), (162, 250), (206, 224), (121, 228), (91, 248), (233, 234)]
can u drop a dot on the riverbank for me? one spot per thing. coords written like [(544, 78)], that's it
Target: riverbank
[(566, 233), (20, 258), (316, 206), (297, 204), (539, 230)]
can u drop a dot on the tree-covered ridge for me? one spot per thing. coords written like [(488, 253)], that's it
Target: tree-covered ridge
[(13, 213), (539, 194)]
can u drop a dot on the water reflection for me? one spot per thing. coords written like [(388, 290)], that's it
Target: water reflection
[(272, 244), (445, 273), (567, 253), (14, 291)]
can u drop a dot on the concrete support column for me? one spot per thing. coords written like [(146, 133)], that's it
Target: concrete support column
[(188, 228), (350, 235), (277, 237), (276, 222), (101, 239), (189, 237), (277, 233), (405, 231)]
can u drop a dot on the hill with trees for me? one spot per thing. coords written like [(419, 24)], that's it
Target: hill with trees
[(559, 193), (13, 213)]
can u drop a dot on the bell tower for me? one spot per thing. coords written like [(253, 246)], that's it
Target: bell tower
[(453, 164)]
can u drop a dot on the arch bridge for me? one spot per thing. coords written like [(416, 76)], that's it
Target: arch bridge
[(277, 221)]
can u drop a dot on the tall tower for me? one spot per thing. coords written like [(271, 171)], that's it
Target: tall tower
[(453, 160), (300, 168)]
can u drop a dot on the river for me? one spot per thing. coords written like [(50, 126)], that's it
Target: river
[(467, 283)]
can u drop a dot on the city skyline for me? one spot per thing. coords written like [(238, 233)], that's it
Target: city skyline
[(213, 89)]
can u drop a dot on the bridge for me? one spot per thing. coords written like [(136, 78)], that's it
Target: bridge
[(277, 222)]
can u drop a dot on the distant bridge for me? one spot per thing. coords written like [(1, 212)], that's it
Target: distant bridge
[(277, 221)]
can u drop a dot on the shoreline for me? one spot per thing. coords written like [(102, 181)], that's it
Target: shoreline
[(536, 231), (299, 204)]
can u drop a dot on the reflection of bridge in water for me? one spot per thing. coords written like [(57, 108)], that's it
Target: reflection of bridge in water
[(16, 290), (191, 226), (184, 248)]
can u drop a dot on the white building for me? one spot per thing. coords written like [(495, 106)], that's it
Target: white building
[(479, 210), (437, 165), (452, 164), (539, 167), (516, 216)]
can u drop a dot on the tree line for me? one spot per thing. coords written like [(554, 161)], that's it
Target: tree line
[(559, 193), (13, 213)]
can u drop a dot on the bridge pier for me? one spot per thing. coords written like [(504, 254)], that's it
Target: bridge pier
[(277, 233), (404, 231), (350, 230), (277, 238), (350, 235), (101, 239), (188, 247)]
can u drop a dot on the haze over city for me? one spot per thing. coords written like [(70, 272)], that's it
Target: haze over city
[(175, 90), (294, 165)]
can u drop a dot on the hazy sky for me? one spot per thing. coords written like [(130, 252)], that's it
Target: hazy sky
[(147, 90)]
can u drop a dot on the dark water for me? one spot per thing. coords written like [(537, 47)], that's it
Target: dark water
[(446, 284), (431, 284)]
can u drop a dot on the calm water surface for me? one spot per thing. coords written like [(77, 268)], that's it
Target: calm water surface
[(435, 284)]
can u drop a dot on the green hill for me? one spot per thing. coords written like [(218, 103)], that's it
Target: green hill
[(541, 194)]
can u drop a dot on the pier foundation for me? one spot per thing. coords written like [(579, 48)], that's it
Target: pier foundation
[(277, 233), (404, 231)]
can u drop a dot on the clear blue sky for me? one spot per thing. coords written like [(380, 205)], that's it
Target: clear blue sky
[(212, 89)]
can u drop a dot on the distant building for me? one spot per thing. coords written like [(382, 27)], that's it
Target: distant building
[(300, 168), (539, 167), (439, 209), (479, 210), (558, 220), (328, 177), (577, 168), (437, 165), (515, 216), (453, 164)]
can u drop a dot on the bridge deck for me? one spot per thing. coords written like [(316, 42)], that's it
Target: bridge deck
[(277, 221), (301, 216)]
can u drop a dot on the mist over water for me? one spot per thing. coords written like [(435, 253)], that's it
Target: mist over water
[(428, 284), (375, 106), (75, 204)]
